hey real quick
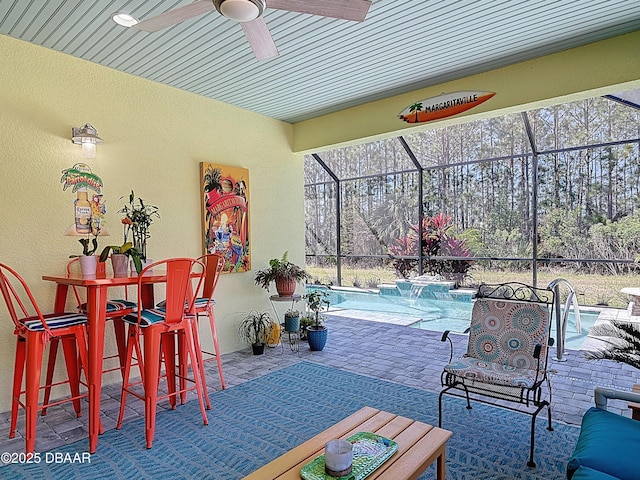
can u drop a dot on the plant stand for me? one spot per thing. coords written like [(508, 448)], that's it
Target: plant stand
[(293, 337)]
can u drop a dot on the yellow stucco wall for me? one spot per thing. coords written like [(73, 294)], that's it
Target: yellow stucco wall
[(596, 69), (155, 138)]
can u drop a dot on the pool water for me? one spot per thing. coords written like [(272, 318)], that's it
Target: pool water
[(441, 315)]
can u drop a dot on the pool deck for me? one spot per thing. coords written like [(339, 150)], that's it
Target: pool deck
[(380, 317), (373, 347)]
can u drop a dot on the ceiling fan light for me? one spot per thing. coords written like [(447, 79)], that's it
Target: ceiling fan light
[(240, 10)]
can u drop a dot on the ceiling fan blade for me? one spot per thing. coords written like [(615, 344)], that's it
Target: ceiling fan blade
[(260, 39), (177, 15), (355, 10)]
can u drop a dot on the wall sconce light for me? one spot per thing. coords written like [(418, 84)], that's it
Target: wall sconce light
[(87, 136)]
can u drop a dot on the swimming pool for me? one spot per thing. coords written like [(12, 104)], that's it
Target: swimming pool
[(439, 314)]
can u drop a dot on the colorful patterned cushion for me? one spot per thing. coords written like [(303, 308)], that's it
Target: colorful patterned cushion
[(115, 306), (54, 320), (507, 332), (200, 303), (149, 316), (494, 373)]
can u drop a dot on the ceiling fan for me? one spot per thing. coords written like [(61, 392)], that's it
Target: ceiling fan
[(249, 14)]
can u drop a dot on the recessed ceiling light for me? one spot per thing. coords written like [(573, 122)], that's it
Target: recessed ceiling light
[(124, 19)]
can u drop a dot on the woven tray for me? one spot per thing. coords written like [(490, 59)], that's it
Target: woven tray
[(369, 452)]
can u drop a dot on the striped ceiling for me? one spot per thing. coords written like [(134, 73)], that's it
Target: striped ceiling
[(325, 64)]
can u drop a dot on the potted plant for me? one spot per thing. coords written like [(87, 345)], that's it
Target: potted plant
[(292, 320), (88, 261), (254, 329), (137, 217), (285, 275), (120, 256), (317, 333), (305, 322)]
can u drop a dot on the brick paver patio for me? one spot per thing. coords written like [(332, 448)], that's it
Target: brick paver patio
[(379, 349)]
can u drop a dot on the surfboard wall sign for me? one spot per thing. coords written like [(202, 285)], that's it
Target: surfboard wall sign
[(442, 106)]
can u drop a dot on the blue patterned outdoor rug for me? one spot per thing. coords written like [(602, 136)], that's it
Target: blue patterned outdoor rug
[(253, 423)]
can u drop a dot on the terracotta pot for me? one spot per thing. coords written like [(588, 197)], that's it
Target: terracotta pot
[(120, 263), (285, 286), (88, 265)]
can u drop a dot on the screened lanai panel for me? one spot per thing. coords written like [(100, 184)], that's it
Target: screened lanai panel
[(489, 204), (586, 122), (320, 209), (468, 142), (588, 206), (320, 219), (380, 157), (376, 211)]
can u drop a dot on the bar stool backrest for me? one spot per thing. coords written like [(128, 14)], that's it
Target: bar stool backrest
[(180, 296), (17, 297), (214, 263)]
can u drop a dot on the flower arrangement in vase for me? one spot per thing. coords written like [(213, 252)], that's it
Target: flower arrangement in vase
[(137, 217)]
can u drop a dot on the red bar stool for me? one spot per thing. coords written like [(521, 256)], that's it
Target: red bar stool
[(33, 331), (158, 328), (214, 264), (116, 309), (204, 304)]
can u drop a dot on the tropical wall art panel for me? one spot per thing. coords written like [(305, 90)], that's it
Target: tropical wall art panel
[(225, 214)]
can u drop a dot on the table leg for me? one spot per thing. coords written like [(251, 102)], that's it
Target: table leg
[(60, 302), (96, 314), (440, 466), (147, 295)]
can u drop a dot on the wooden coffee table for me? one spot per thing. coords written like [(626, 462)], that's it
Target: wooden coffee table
[(419, 445)]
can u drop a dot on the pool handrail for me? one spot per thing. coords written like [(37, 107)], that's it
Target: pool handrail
[(562, 319)]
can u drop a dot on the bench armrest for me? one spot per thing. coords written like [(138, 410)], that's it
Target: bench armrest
[(601, 395)]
